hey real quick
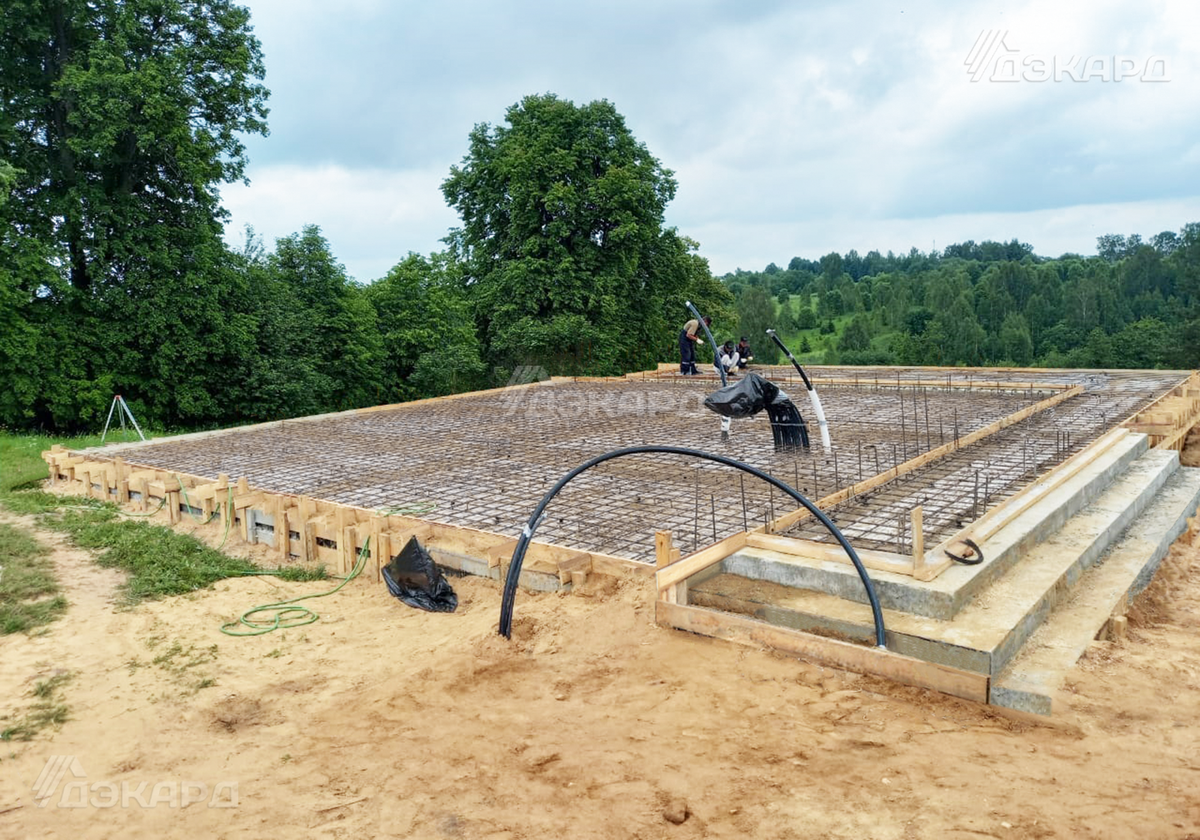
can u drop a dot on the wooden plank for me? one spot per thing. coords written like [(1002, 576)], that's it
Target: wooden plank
[(934, 383), (995, 519), (1176, 440), (173, 512), (347, 553), (580, 563), (825, 651), (122, 479), (384, 551), (881, 561), (246, 500), (501, 551), (161, 486), (790, 519), (606, 564), (670, 575)]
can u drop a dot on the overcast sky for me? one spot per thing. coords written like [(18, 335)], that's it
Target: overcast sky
[(793, 129)]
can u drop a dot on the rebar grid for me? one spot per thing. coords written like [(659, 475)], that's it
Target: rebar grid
[(483, 461)]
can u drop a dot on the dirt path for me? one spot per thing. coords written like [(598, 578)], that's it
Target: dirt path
[(380, 720)]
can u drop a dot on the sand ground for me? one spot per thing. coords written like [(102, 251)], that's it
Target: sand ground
[(384, 721)]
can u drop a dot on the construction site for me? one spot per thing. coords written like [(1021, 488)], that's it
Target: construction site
[(972, 615), (1004, 518)]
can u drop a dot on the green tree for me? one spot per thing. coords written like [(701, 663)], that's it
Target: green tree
[(429, 342), (857, 335), (830, 304), (965, 337), (1015, 340), (1142, 344), (562, 237), (339, 330), (123, 116), (757, 314)]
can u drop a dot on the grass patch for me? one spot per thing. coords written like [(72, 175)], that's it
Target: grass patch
[(21, 464), (28, 590), (47, 711), (160, 562), (184, 666)]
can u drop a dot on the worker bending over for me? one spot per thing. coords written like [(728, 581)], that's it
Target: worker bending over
[(688, 339)]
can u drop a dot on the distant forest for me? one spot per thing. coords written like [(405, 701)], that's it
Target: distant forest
[(1136, 304), (121, 121)]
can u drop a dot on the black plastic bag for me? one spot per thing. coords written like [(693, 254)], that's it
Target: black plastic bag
[(787, 426), (750, 396), (415, 579), (743, 398)]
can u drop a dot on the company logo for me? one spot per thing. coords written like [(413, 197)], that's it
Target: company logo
[(63, 783), (992, 60)]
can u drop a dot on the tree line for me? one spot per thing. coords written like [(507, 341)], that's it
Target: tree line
[(122, 118), (1136, 304)]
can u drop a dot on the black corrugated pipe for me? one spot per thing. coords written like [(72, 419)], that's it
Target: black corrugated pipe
[(518, 557)]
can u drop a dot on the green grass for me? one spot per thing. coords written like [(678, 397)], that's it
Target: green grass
[(21, 464), (47, 711), (160, 562), (29, 594)]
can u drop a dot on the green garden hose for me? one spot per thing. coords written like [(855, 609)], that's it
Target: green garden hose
[(161, 502), (187, 503), (285, 614), (416, 509)]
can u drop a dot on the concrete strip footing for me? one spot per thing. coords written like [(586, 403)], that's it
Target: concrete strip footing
[(1033, 679), (954, 588), (989, 632)]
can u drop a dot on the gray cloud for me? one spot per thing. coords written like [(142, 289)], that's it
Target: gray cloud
[(794, 125)]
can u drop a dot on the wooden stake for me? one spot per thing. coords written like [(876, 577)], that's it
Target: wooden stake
[(662, 548), (122, 481)]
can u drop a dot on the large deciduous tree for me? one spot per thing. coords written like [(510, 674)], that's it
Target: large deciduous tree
[(121, 119), (566, 256)]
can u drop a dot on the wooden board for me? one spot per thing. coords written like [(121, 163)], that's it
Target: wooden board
[(833, 652), (981, 529), (684, 568)]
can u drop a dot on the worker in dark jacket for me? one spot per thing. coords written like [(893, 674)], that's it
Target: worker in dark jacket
[(688, 339), (745, 354)]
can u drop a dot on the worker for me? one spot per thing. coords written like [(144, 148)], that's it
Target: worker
[(745, 354), (729, 357), (688, 339)]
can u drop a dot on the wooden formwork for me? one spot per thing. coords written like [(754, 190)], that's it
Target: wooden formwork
[(317, 531), (919, 564), (322, 531), (1169, 418)]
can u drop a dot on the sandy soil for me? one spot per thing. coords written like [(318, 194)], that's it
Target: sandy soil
[(381, 721)]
